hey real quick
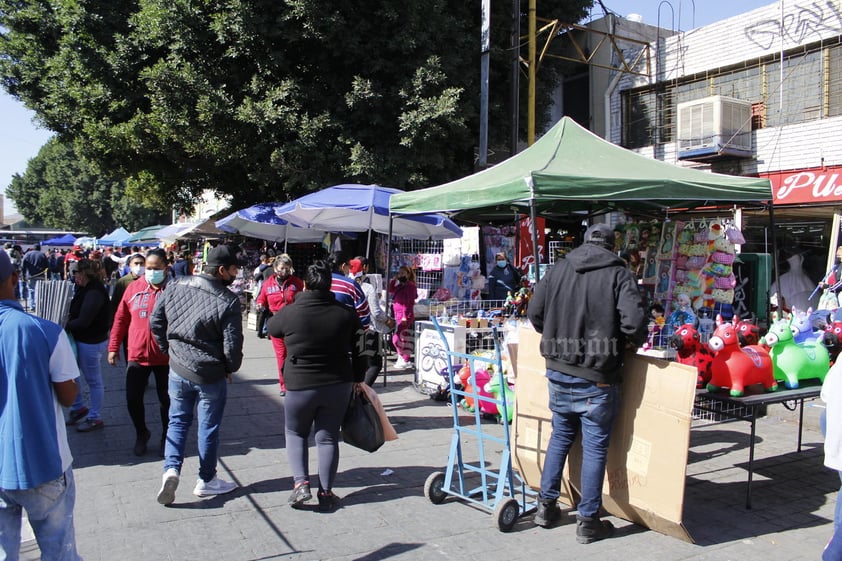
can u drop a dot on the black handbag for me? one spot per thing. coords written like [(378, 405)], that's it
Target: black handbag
[(361, 426)]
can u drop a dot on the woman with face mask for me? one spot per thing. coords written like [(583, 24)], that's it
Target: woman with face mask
[(88, 323), (503, 279), (276, 292), (144, 357)]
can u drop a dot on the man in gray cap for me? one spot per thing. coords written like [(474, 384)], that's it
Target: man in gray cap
[(198, 322), (588, 310)]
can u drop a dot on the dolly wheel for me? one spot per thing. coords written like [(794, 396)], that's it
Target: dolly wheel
[(506, 513), (433, 487)]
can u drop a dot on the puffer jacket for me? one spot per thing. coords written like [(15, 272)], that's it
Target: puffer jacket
[(587, 307), (199, 323)]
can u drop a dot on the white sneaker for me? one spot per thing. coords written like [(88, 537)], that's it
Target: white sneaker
[(215, 486), (401, 363), (169, 484)]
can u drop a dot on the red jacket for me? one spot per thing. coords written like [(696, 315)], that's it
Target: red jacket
[(276, 297), (132, 319)]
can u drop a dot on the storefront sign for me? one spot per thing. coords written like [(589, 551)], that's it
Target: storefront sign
[(814, 185)]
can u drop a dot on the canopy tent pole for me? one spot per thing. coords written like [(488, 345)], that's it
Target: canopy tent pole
[(386, 285), (775, 252), (368, 243), (533, 217)]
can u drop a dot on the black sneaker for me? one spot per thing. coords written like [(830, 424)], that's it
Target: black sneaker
[(140, 443), (76, 416), (590, 529), (328, 502), (548, 512), (300, 495)]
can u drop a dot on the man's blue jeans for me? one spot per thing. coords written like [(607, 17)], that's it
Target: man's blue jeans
[(209, 400), (30, 298), (49, 508), (590, 409)]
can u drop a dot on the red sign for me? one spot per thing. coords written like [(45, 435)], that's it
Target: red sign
[(526, 254), (814, 185)]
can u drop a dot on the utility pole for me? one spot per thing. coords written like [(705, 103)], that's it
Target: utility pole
[(485, 55), (533, 63), (515, 85)]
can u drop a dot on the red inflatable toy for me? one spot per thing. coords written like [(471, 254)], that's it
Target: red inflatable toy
[(690, 350), (736, 367)]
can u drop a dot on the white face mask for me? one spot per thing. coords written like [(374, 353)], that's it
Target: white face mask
[(137, 270)]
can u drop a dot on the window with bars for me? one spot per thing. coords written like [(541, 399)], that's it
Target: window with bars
[(809, 87)]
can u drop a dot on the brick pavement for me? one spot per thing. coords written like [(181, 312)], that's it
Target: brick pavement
[(386, 516)]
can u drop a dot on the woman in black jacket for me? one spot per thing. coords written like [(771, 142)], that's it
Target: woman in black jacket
[(88, 323), (321, 337)]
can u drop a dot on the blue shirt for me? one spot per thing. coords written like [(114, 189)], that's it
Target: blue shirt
[(34, 353)]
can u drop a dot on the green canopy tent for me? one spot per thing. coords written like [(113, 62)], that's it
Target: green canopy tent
[(570, 168), (145, 235)]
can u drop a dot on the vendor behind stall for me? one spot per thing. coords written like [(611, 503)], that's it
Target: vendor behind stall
[(503, 279)]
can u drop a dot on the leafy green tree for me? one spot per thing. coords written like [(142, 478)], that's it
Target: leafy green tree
[(262, 99), (61, 189)]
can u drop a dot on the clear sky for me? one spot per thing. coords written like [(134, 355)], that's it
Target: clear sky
[(20, 139)]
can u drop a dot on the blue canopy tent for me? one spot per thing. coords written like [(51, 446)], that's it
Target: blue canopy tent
[(116, 238), (364, 208), (261, 221), (66, 239)]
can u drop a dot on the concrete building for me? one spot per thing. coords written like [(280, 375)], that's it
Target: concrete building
[(719, 98)]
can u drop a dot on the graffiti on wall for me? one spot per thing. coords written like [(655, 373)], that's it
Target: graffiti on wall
[(797, 24)]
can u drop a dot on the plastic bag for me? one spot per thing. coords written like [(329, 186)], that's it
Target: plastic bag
[(389, 432), (361, 426)]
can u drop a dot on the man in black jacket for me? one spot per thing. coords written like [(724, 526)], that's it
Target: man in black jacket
[(35, 267), (198, 322), (588, 310)]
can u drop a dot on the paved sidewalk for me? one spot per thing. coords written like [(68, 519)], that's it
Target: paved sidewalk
[(384, 513)]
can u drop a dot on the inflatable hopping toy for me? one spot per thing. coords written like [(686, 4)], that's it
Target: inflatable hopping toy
[(736, 367)]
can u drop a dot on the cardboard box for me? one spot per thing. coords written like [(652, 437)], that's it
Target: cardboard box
[(647, 458)]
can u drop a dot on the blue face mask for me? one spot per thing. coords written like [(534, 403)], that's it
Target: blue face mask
[(154, 276), (501, 263)]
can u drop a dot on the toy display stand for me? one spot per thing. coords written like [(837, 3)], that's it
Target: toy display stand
[(501, 491), (431, 368)]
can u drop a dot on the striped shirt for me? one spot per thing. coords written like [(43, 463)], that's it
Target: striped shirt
[(349, 293)]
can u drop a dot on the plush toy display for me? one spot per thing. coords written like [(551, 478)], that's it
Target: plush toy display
[(683, 314), (690, 350), (794, 362), (736, 367)]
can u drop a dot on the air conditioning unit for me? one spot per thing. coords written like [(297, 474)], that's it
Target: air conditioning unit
[(714, 127)]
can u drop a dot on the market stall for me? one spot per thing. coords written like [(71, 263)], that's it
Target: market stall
[(571, 170)]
